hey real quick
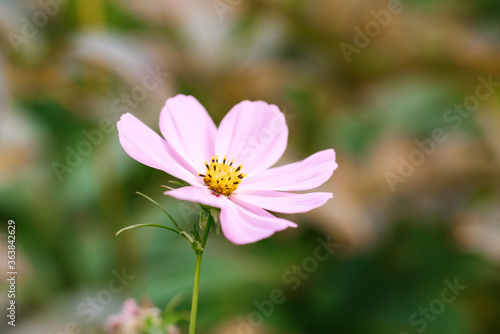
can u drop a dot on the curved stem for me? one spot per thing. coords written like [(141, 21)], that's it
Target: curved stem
[(196, 286)]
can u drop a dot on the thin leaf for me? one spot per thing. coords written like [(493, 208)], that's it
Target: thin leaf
[(162, 209), (145, 225), (187, 236), (195, 232), (179, 183), (174, 302)]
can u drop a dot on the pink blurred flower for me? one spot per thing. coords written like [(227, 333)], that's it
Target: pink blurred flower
[(172, 329), (130, 310), (229, 167), (132, 318)]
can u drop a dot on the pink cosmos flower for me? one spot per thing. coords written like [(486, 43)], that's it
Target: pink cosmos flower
[(229, 167)]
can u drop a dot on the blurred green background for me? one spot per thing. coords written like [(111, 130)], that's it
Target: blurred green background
[(347, 75)]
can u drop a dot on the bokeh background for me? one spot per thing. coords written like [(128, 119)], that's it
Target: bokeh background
[(67, 67)]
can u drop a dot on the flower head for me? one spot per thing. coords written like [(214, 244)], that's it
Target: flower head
[(229, 167)]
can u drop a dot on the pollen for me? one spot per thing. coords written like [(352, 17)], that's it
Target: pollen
[(221, 176)]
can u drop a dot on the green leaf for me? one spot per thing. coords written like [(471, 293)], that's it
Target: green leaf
[(162, 209), (203, 220), (174, 303), (195, 232), (216, 216), (146, 225), (179, 183), (187, 236)]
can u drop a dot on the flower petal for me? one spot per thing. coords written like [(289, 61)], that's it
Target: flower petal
[(196, 194), (147, 147), (284, 202), (186, 126), (255, 134), (243, 223), (302, 175)]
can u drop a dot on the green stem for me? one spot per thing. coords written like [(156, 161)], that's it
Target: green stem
[(194, 304), (196, 286)]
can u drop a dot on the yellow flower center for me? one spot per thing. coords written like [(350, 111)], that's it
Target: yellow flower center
[(221, 177)]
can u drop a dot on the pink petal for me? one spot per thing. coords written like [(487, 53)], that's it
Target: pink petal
[(186, 126), (243, 223), (147, 147), (113, 323), (255, 134), (197, 194), (284, 202), (130, 308), (302, 175), (172, 329)]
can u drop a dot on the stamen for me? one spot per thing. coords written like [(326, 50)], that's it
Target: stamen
[(219, 175)]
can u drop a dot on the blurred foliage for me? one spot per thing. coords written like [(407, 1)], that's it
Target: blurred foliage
[(396, 247)]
